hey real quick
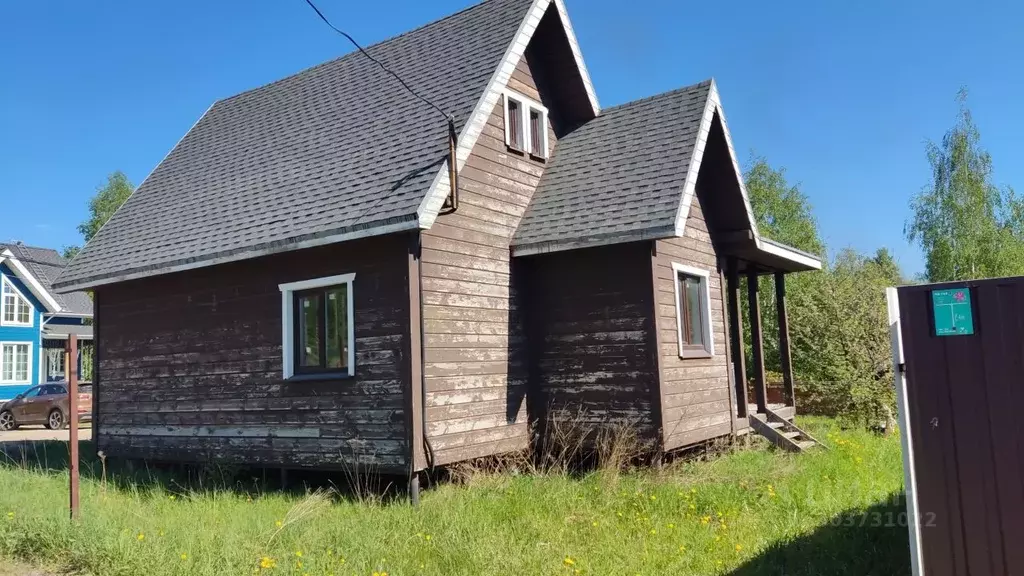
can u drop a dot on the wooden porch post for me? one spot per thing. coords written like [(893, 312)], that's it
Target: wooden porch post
[(739, 359), (757, 343), (785, 356)]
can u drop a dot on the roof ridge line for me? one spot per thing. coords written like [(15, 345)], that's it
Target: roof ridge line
[(700, 84)]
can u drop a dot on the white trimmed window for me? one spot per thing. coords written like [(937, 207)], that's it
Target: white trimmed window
[(317, 328), (526, 125), (15, 309), (14, 362), (693, 311)]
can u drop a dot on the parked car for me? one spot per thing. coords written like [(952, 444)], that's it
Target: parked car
[(47, 404)]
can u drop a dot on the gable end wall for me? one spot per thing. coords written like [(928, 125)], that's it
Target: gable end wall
[(695, 393), (474, 370)]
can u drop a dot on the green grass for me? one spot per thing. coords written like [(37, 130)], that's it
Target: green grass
[(755, 511)]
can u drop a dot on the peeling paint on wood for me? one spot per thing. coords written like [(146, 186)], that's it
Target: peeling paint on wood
[(183, 382)]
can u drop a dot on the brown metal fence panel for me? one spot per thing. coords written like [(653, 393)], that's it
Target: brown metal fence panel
[(966, 398)]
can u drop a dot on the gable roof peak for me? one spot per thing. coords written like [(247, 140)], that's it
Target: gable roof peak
[(336, 152)]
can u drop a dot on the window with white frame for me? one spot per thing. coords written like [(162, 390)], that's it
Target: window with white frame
[(526, 125), (318, 329), (14, 362), (693, 311), (15, 309)]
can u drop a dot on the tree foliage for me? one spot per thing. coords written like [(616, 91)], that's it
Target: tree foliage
[(967, 226), (107, 200), (104, 203), (784, 214), (839, 338)]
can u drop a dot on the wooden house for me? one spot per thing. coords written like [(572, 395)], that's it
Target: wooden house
[(35, 321), (297, 284)]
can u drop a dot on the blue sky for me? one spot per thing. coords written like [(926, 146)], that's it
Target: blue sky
[(842, 94)]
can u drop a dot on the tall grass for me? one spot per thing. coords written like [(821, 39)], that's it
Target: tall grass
[(734, 512)]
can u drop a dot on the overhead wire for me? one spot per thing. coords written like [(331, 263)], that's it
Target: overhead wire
[(377, 62)]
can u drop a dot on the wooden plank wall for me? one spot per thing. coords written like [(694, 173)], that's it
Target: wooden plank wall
[(591, 326), (190, 365), (696, 397), (475, 376)]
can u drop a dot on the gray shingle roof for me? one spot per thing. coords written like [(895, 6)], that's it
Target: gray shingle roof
[(621, 173), (46, 264), (335, 148)]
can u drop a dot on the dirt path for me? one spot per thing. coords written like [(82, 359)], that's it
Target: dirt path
[(32, 434), (12, 568)]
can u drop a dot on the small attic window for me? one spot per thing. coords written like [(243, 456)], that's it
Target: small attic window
[(526, 123)]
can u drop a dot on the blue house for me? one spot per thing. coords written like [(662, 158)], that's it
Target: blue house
[(35, 321)]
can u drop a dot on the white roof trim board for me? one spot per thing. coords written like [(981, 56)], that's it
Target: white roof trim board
[(33, 284), (441, 186), (714, 106)]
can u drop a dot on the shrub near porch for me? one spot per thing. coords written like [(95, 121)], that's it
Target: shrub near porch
[(754, 511)]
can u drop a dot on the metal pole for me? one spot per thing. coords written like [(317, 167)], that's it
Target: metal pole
[(73, 420)]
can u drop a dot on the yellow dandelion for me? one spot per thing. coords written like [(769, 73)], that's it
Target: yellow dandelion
[(427, 537), (330, 552), (671, 526), (376, 574), (140, 537), (160, 533), (738, 547), (341, 560), (569, 561), (298, 553), (653, 497), (171, 497), (653, 531), (693, 507), (268, 563), (718, 538), (594, 523), (277, 523), (10, 515), (184, 556), (619, 514)]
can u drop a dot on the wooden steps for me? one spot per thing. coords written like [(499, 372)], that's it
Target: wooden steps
[(782, 432)]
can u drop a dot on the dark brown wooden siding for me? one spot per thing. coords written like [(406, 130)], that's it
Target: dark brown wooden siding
[(475, 384), (696, 397), (591, 325), (964, 400), (190, 364)]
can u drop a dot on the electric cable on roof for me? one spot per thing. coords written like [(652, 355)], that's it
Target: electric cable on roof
[(378, 62)]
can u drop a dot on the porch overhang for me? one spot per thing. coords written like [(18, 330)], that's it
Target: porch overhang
[(756, 255), (62, 331)]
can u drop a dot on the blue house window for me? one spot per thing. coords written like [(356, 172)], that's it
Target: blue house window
[(14, 361), (15, 309)]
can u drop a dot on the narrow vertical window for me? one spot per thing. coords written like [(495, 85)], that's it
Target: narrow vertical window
[(514, 115), (693, 311), (537, 133)]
